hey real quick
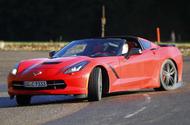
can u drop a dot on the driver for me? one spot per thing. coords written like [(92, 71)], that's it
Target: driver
[(125, 48)]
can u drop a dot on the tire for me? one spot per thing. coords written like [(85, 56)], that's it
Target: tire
[(23, 100), (95, 85), (168, 76)]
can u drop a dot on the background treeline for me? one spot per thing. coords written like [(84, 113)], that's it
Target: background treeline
[(75, 19)]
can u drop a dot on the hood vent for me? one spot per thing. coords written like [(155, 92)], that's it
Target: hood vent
[(49, 63)]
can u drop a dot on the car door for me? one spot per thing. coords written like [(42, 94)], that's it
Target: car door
[(137, 71)]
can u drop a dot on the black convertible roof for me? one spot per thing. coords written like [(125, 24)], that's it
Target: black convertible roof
[(122, 37), (133, 38), (119, 37)]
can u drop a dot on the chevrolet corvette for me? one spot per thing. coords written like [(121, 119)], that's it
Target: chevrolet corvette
[(96, 67)]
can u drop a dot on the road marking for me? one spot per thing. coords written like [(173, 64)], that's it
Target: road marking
[(147, 99), (135, 113)]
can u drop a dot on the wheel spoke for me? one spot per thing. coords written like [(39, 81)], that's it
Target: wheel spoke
[(168, 67), (167, 81), (171, 80), (165, 73), (164, 78), (172, 71)]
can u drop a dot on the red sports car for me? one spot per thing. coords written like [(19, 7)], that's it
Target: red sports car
[(95, 67)]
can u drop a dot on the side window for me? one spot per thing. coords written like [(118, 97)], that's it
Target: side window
[(145, 43), (133, 44)]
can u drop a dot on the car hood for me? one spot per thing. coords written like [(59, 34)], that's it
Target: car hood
[(45, 63)]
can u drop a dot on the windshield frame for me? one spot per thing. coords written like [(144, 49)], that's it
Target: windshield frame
[(63, 50)]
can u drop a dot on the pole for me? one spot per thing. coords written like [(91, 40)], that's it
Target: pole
[(103, 21), (158, 34)]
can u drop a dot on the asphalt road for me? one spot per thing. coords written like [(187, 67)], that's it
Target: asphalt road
[(145, 107)]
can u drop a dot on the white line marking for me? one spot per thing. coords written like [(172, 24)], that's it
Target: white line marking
[(138, 111), (147, 99)]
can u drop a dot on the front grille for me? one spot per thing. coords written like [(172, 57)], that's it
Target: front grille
[(52, 84)]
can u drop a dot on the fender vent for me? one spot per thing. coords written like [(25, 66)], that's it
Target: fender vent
[(48, 63)]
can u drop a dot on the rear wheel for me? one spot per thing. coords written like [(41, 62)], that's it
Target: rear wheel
[(95, 85), (168, 76), (23, 100)]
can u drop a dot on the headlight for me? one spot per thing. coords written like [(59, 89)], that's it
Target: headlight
[(15, 69), (77, 67)]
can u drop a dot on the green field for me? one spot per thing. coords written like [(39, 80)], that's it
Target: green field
[(56, 45), (32, 45)]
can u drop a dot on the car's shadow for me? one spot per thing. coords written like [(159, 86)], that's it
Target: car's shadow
[(5, 102)]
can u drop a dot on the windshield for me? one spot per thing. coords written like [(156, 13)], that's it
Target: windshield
[(92, 48)]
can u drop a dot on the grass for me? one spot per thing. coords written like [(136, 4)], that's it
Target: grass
[(56, 45), (179, 44), (32, 45)]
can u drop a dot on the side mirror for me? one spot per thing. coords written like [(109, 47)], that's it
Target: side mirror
[(134, 51), (52, 53)]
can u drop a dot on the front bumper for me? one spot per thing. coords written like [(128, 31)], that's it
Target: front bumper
[(74, 84)]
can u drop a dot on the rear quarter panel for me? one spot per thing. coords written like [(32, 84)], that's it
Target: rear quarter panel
[(175, 55)]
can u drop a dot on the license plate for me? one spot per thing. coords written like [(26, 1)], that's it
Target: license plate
[(35, 84)]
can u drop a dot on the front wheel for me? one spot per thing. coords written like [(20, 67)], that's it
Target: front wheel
[(168, 76), (95, 85), (23, 100)]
